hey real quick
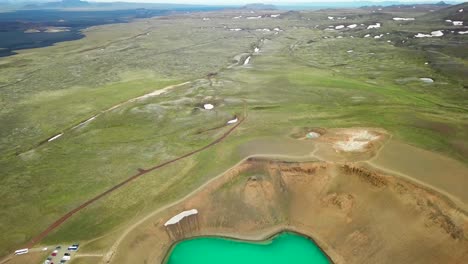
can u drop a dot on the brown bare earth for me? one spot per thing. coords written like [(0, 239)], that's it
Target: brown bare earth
[(334, 203), (361, 195)]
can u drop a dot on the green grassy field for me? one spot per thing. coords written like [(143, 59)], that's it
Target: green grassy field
[(299, 79)]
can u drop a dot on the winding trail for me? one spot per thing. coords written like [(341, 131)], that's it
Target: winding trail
[(141, 172)]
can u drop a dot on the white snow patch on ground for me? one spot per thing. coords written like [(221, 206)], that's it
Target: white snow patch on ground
[(426, 80), (462, 32), (357, 141), (448, 21), (377, 25), (177, 218), (457, 23), (421, 35), (352, 26), (208, 106), (403, 18), (276, 15), (256, 50), (367, 36), (246, 62), (379, 36), (85, 122), (54, 137), (331, 18), (349, 51), (235, 29), (257, 17), (461, 10), (339, 27), (437, 33), (233, 121)]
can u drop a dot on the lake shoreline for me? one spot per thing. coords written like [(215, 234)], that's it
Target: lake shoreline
[(264, 237)]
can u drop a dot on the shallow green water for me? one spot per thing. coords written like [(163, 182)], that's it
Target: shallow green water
[(284, 248)]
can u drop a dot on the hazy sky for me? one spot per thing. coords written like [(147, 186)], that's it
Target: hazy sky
[(240, 2)]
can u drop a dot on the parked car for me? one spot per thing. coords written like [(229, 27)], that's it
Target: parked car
[(66, 254), (54, 254), (58, 247)]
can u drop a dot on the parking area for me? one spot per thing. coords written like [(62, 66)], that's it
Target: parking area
[(61, 254)]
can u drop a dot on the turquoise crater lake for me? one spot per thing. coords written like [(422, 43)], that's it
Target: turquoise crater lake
[(284, 248)]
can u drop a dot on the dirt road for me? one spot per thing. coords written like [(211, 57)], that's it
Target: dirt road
[(141, 172)]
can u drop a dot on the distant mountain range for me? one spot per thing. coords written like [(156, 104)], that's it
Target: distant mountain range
[(77, 4), (80, 4)]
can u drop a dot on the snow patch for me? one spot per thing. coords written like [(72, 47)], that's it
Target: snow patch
[(54, 137), (463, 32), (208, 106), (377, 25), (403, 18), (331, 18), (177, 218), (457, 23), (339, 27), (421, 35), (233, 121), (246, 62), (437, 33), (352, 26), (426, 80)]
